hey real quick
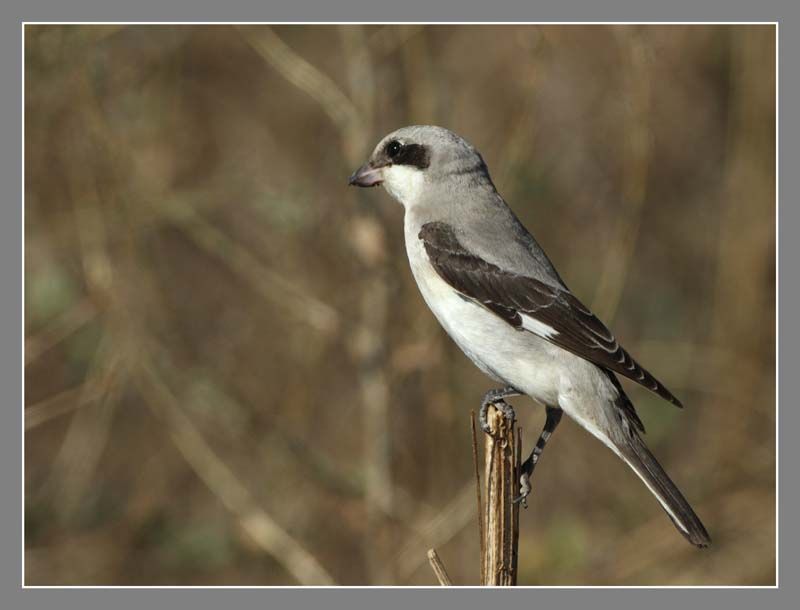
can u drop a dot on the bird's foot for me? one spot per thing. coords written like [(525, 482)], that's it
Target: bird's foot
[(526, 470), (495, 397), (524, 491), (501, 405)]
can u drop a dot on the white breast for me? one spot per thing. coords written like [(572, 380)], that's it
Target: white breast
[(511, 356)]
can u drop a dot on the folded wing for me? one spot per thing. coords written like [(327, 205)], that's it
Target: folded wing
[(552, 313)]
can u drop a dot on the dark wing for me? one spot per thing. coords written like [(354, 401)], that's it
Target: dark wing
[(528, 304)]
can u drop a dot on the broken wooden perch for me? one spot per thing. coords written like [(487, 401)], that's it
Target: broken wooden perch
[(498, 520)]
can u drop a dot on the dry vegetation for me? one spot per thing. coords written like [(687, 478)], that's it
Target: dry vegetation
[(231, 377)]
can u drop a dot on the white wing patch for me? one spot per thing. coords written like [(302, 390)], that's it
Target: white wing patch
[(536, 327)]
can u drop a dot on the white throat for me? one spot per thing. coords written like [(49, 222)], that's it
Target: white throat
[(404, 183)]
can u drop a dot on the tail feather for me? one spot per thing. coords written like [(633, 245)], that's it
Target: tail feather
[(638, 457)]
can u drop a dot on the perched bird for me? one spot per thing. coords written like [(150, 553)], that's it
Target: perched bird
[(495, 292)]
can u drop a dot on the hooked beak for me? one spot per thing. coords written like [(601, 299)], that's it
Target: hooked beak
[(366, 175)]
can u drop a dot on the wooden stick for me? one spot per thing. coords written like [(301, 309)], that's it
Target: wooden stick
[(482, 538), (438, 569), (501, 516), (515, 488)]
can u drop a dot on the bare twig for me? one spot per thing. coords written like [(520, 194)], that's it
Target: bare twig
[(59, 404), (270, 536), (389, 38), (371, 340), (361, 77), (317, 462), (522, 125), (58, 329), (89, 429), (87, 435), (478, 490), (294, 68), (270, 285), (437, 531), (420, 85), (745, 241), (446, 524), (438, 568), (637, 69)]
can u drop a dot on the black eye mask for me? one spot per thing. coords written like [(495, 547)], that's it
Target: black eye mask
[(415, 155)]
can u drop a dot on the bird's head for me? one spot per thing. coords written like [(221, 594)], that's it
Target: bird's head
[(411, 157)]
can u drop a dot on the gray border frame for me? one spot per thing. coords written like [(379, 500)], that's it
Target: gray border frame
[(16, 11)]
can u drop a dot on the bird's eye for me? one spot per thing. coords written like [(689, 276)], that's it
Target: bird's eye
[(393, 148)]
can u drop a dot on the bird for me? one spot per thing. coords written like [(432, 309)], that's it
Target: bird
[(498, 296)]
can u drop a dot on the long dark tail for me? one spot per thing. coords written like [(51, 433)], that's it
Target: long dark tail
[(638, 457)]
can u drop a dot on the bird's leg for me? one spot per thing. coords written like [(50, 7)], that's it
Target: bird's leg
[(526, 469), (495, 397)]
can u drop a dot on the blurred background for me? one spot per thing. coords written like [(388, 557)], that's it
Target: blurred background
[(230, 375)]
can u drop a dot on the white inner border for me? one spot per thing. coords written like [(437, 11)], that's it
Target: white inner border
[(777, 293)]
